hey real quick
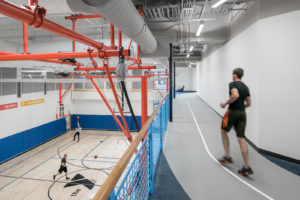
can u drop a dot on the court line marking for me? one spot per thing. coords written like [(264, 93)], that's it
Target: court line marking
[(39, 151), (41, 163), (89, 160), (37, 179), (214, 159)]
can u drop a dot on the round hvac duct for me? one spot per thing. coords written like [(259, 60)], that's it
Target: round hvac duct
[(124, 15)]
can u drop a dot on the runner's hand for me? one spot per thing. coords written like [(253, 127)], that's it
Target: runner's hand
[(223, 105)]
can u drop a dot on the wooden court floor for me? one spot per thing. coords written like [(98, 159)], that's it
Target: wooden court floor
[(29, 176)]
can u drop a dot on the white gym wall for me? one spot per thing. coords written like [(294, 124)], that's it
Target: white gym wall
[(185, 76), (268, 51)]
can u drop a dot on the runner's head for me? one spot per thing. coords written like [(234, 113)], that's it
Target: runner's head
[(237, 74), (65, 155)]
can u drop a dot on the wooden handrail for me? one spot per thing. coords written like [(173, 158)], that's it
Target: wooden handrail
[(111, 181)]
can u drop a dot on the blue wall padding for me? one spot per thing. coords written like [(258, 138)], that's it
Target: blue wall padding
[(18, 143), (103, 122)]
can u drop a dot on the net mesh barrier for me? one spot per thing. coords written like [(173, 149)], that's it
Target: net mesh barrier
[(135, 184), (138, 179)]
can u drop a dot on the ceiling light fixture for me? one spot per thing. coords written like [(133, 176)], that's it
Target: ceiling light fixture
[(218, 3), (191, 48), (201, 26), (188, 55)]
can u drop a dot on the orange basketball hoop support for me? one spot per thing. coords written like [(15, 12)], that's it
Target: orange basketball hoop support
[(127, 134), (116, 98)]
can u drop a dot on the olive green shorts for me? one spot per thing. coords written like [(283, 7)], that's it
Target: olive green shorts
[(236, 119)]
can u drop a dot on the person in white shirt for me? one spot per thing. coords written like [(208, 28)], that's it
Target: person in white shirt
[(78, 130)]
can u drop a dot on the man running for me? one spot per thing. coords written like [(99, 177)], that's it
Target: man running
[(236, 117), (63, 167), (78, 130)]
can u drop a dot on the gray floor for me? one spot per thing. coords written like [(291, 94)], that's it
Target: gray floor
[(201, 176)]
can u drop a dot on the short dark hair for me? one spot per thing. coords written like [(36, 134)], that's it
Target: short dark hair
[(239, 72)]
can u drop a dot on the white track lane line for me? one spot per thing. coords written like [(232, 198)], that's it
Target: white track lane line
[(212, 157)]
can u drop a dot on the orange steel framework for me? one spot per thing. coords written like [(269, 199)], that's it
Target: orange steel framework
[(2, 53), (61, 99), (117, 100), (34, 15), (112, 68), (36, 18), (99, 54), (129, 137), (157, 89)]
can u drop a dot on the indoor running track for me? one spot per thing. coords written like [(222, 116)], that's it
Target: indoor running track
[(191, 146)]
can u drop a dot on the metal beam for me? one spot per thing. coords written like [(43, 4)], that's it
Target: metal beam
[(171, 82)]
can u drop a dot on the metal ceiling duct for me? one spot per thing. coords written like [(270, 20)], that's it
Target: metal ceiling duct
[(124, 15)]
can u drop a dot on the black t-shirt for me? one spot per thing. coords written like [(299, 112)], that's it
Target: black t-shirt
[(239, 104), (63, 161)]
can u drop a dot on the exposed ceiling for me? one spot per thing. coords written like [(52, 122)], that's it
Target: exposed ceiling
[(171, 21)]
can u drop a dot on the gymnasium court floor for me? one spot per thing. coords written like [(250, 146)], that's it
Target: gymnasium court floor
[(29, 176)]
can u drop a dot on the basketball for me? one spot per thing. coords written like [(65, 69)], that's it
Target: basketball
[(95, 156)]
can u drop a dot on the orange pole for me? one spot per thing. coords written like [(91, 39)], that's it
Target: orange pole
[(116, 98), (120, 38), (144, 99), (113, 68), (42, 56), (45, 60), (112, 36), (73, 28), (138, 51), (167, 85), (25, 49), (112, 76), (66, 92), (157, 89), (60, 95), (112, 112), (129, 44)]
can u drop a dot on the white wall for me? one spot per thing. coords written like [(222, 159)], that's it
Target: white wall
[(23, 118), (185, 77), (268, 51), (90, 102)]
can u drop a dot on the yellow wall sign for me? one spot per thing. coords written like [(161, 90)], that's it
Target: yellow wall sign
[(32, 102)]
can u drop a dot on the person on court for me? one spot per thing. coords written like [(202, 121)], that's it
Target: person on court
[(63, 167), (236, 117), (78, 130)]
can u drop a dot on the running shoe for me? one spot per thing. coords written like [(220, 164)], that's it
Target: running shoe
[(245, 171), (225, 160)]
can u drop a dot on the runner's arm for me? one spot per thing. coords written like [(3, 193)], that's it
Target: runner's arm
[(248, 102), (234, 96)]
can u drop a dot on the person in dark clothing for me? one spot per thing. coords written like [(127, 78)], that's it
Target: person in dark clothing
[(236, 117), (78, 130), (180, 89), (63, 167)]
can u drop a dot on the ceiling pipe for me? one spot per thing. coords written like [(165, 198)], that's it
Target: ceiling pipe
[(45, 60), (43, 56), (38, 20), (124, 15)]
